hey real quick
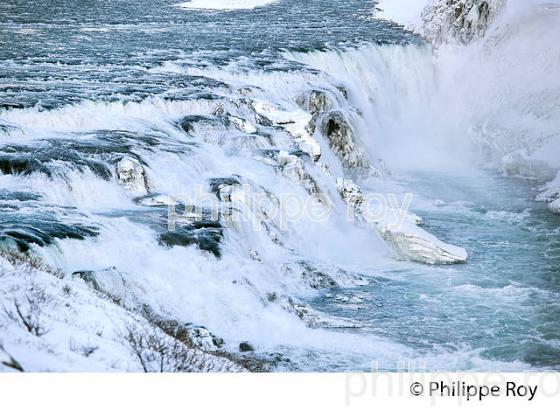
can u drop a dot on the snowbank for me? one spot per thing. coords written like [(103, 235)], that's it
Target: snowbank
[(223, 4), (551, 195), (55, 323), (405, 12)]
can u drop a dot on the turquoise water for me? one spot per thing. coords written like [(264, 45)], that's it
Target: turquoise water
[(501, 306)]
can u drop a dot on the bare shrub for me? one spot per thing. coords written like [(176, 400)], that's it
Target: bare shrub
[(11, 363), (180, 332), (159, 353), (29, 313), (30, 264), (85, 350)]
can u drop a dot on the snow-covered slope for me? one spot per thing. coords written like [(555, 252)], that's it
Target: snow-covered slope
[(48, 323), (405, 12)]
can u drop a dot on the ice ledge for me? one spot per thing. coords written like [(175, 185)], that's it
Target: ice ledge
[(402, 234), (414, 243)]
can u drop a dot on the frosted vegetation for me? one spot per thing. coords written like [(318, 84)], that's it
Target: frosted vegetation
[(62, 325)]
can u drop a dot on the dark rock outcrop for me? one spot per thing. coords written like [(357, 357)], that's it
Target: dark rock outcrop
[(205, 234), (340, 136), (246, 347)]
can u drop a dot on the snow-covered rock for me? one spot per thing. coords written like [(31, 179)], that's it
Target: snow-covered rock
[(316, 102), (415, 219), (554, 206), (294, 122), (292, 167), (333, 126), (551, 191), (204, 340), (243, 125), (305, 274), (549, 195), (315, 319), (443, 21), (458, 20), (414, 243), (340, 136), (156, 200), (228, 189), (403, 234), (132, 176), (255, 255), (351, 193), (517, 164)]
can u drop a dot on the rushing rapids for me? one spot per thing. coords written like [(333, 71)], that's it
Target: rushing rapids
[(112, 121)]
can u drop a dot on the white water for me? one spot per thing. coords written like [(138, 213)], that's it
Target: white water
[(410, 108), (499, 92), (405, 121), (188, 284)]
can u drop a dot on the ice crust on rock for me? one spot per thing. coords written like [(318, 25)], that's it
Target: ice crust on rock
[(414, 243), (294, 122), (404, 235), (340, 136), (554, 206), (132, 176), (443, 21)]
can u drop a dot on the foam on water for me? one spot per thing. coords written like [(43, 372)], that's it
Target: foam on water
[(472, 316)]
